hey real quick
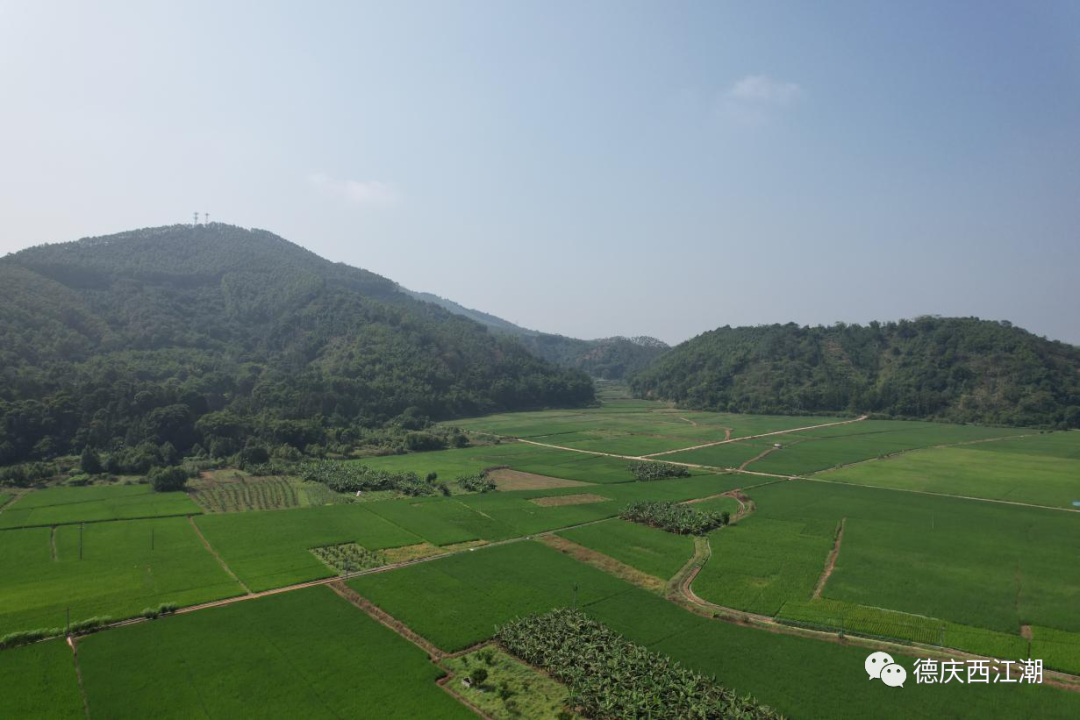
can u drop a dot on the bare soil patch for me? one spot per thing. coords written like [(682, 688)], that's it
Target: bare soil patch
[(507, 479), (604, 562), (830, 564), (559, 500), (424, 550)]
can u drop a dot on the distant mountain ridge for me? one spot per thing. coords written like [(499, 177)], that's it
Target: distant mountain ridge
[(613, 358), (141, 336), (954, 369)]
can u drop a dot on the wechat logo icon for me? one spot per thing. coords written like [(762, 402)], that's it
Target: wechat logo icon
[(880, 666)]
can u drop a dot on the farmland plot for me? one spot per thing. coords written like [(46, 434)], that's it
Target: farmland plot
[(800, 677), (479, 590), (125, 567), (57, 506), (814, 450), (272, 549), (1001, 470), (305, 654), (650, 550), (449, 464), (984, 566), (40, 682)]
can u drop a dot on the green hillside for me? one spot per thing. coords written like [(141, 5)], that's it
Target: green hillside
[(955, 369), (214, 333), (613, 358)]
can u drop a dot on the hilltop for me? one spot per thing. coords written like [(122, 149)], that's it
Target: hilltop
[(956, 369)]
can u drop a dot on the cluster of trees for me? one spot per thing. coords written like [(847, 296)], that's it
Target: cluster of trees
[(648, 470), (479, 483), (952, 369), (610, 677), (346, 477), (214, 338), (674, 517)]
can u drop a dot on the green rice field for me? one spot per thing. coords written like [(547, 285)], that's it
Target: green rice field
[(927, 555), (62, 505), (1016, 470), (303, 654), (125, 567), (798, 676), (650, 550), (40, 682)]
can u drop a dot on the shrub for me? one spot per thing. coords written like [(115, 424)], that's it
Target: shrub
[(168, 479), (476, 483), (646, 470), (90, 461), (253, 455), (152, 613), (424, 441), (78, 480)]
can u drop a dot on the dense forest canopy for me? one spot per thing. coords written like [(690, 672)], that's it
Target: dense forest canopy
[(956, 369), (218, 336), (613, 358)]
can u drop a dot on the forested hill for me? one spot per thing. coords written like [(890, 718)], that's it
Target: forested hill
[(612, 358), (957, 369), (214, 333)]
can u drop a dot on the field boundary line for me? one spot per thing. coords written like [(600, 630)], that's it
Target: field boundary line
[(948, 495), (386, 619), (210, 549), (72, 643), (754, 437), (760, 455), (830, 563), (52, 542), (606, 563)]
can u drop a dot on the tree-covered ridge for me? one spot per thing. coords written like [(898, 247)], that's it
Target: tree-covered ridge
[(211, 333), (955, 369), (612, 358)]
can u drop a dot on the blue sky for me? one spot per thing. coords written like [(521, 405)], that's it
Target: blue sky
[(584, 168)]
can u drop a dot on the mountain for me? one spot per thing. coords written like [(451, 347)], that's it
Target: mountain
[(955, 369), (214, 333), (612, 358), (495, 323)]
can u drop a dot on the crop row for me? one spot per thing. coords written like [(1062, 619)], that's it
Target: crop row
[(268, 494)]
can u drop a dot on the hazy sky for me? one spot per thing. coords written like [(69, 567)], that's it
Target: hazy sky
[(587, 168)]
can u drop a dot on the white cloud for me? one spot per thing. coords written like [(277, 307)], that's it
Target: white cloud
[(754, 100), (357, 192), (765, 90)]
